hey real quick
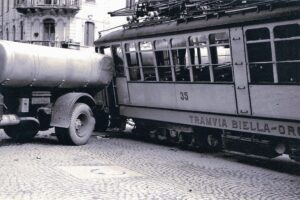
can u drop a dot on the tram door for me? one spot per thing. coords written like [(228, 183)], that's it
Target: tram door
[(240, 71)]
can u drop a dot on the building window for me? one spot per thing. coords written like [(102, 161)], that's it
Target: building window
[(14, 32), (7, 5), (130, 3), (89, 33), (259, 55), (21, 30), (49, 30), (7, 34), (51, 2), (15, 3)]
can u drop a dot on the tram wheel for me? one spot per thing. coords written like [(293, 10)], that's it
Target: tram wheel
[(141, 131), (153, 135), (209, 141), (186, 140), (213, 142)]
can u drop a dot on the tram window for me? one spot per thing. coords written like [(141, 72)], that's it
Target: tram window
[(200, 63), (134, 73), (287, 50), (161, 44), (221, 60), (118, 60), (147, 59), (132, 62), (163, 60), (259, 52), (218, 38), (288, 53), (179, 61), (197, 40), (288, 73), (261, 73), (258, 34), (260, 62), (221, 57), (145, 46), (149, 73), (179, 57), (178, 43), (287, 31), (131, 55), (105, 50), (223, 54), (146, 52), (260, 56), (199, 58), (163, 65)]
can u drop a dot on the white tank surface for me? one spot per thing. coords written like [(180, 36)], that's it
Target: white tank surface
[(23, 65)]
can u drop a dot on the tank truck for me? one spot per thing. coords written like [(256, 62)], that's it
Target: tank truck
[(43, 87)]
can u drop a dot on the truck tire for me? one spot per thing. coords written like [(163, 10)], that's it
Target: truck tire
[(24, 131), (81, 127)]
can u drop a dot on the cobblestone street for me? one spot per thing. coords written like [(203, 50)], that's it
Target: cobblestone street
[(119, 168)]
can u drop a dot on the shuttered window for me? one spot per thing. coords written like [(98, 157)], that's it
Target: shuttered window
[(89, 34)]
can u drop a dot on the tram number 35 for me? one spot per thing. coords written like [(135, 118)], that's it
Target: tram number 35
[(184, 96)]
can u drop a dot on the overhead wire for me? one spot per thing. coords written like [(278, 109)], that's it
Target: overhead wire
[(182, 9)]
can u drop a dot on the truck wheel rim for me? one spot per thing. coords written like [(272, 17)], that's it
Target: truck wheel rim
[(80, 125)]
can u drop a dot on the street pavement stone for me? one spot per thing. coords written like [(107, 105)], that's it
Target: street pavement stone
[(44, 169)]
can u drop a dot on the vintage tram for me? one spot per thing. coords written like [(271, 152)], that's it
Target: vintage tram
[(224, 79)]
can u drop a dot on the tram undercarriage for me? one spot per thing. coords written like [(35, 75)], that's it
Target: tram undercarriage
[(203, 139)]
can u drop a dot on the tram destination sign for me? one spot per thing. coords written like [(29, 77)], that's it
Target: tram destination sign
[(268, 127)]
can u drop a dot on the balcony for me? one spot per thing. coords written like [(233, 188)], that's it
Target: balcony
[(47, 6), (59, 44)]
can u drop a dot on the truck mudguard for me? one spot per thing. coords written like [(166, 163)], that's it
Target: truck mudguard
[(61, 111)]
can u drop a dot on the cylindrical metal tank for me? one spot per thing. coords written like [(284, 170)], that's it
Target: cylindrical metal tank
[(24, 65)]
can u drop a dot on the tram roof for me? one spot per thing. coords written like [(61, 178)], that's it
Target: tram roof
[(173, 27)]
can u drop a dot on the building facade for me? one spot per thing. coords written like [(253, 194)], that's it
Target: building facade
[(57, 21), (130, 3)]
